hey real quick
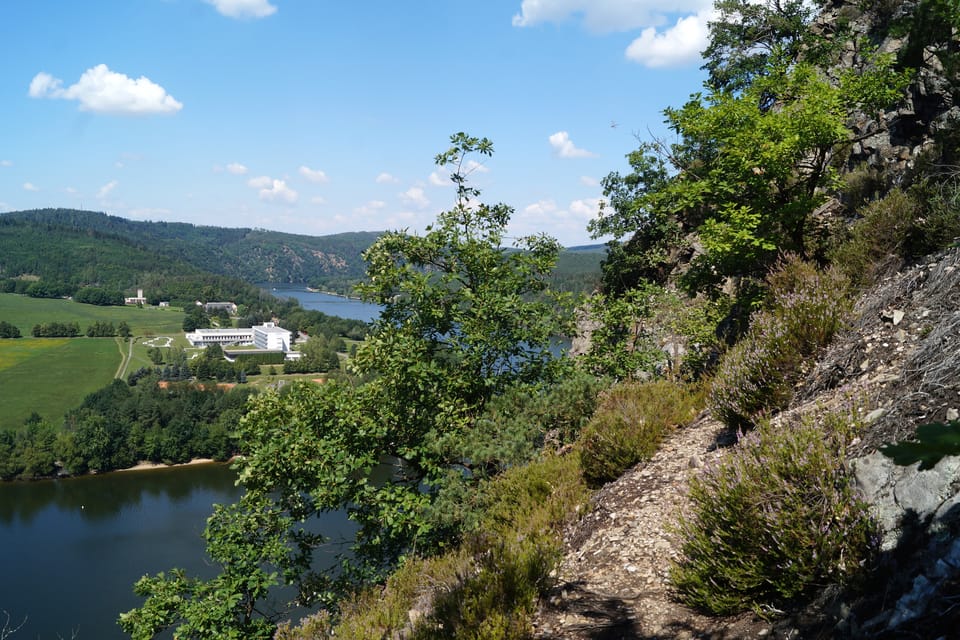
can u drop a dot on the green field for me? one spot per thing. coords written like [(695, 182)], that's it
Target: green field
[(25, 312), (53, 375)]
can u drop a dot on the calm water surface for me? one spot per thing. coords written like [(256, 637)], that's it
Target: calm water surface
[(329, 304), (70, 550)]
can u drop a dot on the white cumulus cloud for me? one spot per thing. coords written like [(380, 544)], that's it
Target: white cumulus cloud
[(416, 197), (278, 191), (372, 206), (439, 179), (313, 175), (29, 186), (386, 178), (589, 181), (243, 8), (603, 15), (541, 208), (586, 208), (318, 200), (260, 182), (101, 90), (678, 45), (564, 147), (236, 169), (672, 34), (6, 163), (105, 190)]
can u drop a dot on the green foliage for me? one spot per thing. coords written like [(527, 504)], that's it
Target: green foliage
[(463, 320), (746, 35), (744, 178), (650, 329), (628, 426), (485, 587), (98, 296), (8, 330), (933, 441), (242, 539), (877, 242), (774, 521), (807, 307)]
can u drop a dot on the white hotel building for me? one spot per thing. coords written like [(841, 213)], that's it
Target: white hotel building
[(266, 336)]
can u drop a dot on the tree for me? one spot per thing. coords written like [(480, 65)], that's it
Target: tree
[(123, 329), (464, 318), (746, 35), (744, 180)]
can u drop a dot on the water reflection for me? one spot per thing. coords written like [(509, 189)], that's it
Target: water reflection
[(102, 497)]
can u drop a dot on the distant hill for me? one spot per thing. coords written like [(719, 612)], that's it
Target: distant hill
[(90, 248), (253, 255)]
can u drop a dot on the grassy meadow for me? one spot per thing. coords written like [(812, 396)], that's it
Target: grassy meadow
[(53, 375)]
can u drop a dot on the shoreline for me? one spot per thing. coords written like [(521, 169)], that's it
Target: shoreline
[(149, 466)]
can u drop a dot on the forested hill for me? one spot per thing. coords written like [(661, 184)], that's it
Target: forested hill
[(253, 255), (81, 248)]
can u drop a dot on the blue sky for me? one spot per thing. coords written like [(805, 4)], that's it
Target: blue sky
[(317, 117)]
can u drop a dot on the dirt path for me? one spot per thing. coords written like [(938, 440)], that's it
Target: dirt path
[(124, 358), (614, 579)]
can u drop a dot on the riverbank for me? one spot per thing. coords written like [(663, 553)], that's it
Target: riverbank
[(147, 466)]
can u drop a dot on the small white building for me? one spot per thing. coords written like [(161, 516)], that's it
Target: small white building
[(139, 299), (271, 337)]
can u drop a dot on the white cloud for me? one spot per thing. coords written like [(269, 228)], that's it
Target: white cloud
[(313, 175), (564, 147), (541, 208), (243, 8), (678, 45), (101, 90), (439, 179), (386, 178), (472, 166), (589, 181), (236, 169), (372, 206), (587, 208), (29, 186), (105, 190), (260, 182), (6, 163), (416, 197), (71, 191), (278, 191), (318, 200), (603, 15)]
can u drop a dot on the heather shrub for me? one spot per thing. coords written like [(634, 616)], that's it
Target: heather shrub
[(806, 308), (773, 521), (877, 242), (632, 419)]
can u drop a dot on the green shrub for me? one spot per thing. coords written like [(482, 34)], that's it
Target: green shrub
[(877, 242), (774, 520), (807, 307), (632, 419), (486, 587)]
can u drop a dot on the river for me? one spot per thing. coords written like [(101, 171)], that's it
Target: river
[(331, 305), (71, 549)]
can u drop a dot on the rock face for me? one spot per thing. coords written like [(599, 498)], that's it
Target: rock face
[(891, 143)]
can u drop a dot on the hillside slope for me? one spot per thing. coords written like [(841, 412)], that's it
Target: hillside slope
[(898, 360), (253, 255)]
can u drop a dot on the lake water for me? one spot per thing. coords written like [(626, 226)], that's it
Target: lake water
[(331, 305), (70, 550)]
